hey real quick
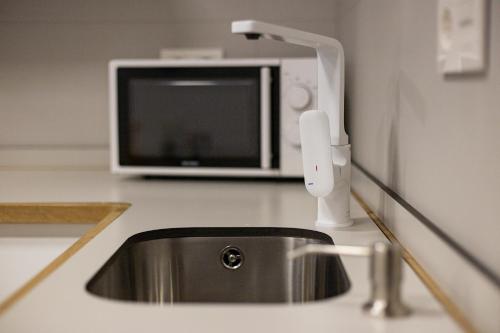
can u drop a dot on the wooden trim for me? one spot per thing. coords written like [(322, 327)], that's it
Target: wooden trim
[(100, 214), (19, 167), (426, 279), (55, 213)]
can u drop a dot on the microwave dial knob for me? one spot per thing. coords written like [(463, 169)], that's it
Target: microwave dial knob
[(298, 97)]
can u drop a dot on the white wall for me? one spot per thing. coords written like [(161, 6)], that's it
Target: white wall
[(433, 140), (54, 53)]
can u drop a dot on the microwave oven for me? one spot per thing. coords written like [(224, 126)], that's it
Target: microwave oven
[(227, 117)]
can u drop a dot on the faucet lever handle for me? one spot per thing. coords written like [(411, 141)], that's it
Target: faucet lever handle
[(316, 152)]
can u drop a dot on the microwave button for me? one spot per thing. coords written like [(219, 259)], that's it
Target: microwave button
[(299, 97)]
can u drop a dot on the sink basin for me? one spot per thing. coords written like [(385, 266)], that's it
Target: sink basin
[(232, 265)]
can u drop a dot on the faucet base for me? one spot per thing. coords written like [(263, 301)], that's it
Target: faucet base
[(332, 224), (334, 209)]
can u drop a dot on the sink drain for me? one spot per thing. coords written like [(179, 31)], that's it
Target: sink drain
[(231, 257)]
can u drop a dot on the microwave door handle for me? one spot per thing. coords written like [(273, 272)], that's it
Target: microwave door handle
[(265, 118)]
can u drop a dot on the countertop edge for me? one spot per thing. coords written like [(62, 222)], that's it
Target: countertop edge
[(101, 214)]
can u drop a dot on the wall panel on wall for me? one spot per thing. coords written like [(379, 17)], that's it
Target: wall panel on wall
[(53, 87), (432, 139)]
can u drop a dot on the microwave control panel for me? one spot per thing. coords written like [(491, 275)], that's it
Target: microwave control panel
[(299, 91)]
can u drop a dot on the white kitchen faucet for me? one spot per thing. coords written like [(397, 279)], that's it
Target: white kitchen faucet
[(325, 146)]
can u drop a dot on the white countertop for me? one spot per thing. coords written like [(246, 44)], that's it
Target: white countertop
[(61, 304)]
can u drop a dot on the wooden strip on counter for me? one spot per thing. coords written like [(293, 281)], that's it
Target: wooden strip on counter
[(100, 214), (427, 280), (54, 213)]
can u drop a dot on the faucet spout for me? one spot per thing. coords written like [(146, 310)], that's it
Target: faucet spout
[(330, 54)]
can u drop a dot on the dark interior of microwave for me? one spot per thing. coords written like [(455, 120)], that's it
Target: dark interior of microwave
[(194, 117)]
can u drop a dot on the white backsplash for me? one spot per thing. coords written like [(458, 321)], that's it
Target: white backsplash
[(53, 87), (434, 140)]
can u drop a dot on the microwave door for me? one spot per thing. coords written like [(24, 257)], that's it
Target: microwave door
[(265, 118), (195, 117)]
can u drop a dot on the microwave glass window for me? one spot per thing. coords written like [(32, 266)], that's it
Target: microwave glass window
[(194, 121)]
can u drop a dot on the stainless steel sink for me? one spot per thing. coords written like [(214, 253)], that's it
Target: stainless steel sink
[(234, 265)]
